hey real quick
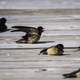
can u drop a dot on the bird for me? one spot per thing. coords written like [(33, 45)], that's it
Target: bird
[(53, 50), (32, 34), (3, 26), (72, 74)]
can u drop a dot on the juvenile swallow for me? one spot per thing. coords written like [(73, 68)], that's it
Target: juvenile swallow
[(53, 50), (32, 34)]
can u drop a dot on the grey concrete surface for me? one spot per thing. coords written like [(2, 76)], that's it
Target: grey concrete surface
[(17, 62), (26, 64)]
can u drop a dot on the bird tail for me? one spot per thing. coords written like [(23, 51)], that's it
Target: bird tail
[(40, 53), (43, 51)]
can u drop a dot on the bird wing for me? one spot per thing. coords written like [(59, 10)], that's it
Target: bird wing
[(23, 29)]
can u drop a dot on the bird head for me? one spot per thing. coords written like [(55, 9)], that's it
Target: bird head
[(3, 20), (60, 46), (40, 29)]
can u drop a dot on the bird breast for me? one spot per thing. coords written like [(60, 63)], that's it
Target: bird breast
[(52, 51), (33, 38)]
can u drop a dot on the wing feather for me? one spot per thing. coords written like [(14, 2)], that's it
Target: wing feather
[(23, 29)]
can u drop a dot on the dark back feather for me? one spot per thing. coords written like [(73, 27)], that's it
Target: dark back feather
[(26, 29)]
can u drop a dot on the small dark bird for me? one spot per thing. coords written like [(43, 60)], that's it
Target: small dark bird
[(53, 50), (32, 34), (72, 74), (3, 26)]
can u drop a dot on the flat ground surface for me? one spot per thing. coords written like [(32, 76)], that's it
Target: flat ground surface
[(22, 62), (26, 64)]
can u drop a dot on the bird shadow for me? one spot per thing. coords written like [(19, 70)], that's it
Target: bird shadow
[(65, 54), (61, 55), (40, 42), (55, 54)]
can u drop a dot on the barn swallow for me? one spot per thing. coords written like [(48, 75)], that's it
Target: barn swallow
[(32, 34), (53, 50)]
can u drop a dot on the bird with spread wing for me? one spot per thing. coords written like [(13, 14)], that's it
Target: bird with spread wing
[(32, 34)]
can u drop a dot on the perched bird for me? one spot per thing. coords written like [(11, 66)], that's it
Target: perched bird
[(32, 34), (72, 74), (3, 26), (53, 50)]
